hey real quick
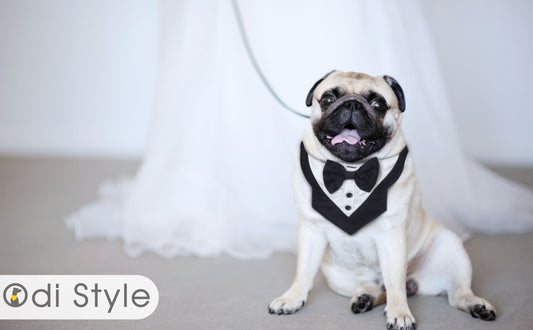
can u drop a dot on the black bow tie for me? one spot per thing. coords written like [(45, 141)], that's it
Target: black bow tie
[(365, 177)]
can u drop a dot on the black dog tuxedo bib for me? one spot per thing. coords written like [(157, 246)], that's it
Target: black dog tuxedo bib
[(365, 178)]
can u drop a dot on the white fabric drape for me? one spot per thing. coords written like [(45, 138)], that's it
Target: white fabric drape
[(216, 177)]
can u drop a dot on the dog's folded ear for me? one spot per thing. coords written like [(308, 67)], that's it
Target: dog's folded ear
[(309, 99), (398, 91)]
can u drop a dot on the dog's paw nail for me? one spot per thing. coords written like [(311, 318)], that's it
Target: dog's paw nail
[(403, 321), (285, 305)]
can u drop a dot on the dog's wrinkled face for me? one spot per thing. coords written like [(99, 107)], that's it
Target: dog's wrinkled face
[(354, 115)]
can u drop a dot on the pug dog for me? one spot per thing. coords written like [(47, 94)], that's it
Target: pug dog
[(360, 215)]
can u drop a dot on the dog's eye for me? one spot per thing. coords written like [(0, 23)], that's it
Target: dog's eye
[(378, 105), (326, 100)]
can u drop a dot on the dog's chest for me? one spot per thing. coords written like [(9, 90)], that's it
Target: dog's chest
[(352, 250)]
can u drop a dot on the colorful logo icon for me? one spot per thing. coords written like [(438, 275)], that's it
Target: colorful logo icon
[(15, 295)]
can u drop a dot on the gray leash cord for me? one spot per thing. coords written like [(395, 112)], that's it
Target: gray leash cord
[(254, 62)]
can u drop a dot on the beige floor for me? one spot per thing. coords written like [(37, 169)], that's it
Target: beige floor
[(220, 293)]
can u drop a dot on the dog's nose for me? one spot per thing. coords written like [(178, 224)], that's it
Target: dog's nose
[(352, 105), (345, 115), (350, 110)]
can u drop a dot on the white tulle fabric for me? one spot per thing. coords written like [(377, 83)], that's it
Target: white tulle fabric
[(216, 176)]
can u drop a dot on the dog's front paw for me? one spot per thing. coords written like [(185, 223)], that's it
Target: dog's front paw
[(400, 320), (289, 303)]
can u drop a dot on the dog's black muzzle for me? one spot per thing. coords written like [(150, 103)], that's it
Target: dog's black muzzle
[(352, 112)]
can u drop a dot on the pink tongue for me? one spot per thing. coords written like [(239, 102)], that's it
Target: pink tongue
[(349, 136)]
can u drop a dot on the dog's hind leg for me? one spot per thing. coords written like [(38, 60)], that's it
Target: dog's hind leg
[(443, 272), (460, 294)]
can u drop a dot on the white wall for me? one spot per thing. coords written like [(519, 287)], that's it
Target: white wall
[(77, 77)]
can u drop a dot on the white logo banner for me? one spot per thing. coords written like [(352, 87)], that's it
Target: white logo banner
[(89, 297)]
